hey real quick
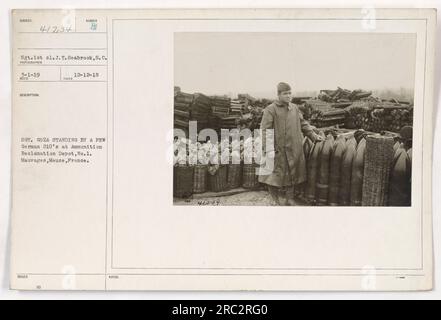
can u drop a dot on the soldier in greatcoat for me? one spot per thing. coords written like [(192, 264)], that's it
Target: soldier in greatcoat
[(289, 127)]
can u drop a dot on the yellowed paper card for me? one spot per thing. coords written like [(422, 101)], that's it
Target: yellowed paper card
[(105, 198)]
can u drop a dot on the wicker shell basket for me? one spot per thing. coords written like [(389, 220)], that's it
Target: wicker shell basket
[(184, 181), (250, 177), (379, 157), (234, 176), (200, 180), (218, 182)]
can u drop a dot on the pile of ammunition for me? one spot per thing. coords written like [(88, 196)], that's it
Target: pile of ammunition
[(339, 173), (201, 110), (328, 118), (356, 109), (343, 95), (182, 109), (252, 119), (230, 122), (220, 105), (384, 116), (237, 107), (341, 108)]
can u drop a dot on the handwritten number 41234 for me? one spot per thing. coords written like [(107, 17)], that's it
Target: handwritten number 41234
[(55, 29)]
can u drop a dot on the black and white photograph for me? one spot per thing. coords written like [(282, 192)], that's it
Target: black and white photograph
[(242, 151), (293, 119)]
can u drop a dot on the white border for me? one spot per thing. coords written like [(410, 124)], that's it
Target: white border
[(5, 146)]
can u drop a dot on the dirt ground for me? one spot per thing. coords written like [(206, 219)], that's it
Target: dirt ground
[(249, 198)]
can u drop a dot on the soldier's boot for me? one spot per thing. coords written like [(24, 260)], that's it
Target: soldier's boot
[(290, 197), (274, 193)]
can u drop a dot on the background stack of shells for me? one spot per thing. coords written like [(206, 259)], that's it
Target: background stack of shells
[(182, 109), (201, 110), (340, 108), (356, 109), (220, 105)]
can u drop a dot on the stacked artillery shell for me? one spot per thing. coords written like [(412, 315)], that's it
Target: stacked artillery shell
[(323, 176), (182, 109), (343, 95), (220, 105), (237, 107), (247, 99), (252, 119), (316, 104), (400, 179), (313, 167), (341, 105), (300, 100), (201, 110), (409, 154), (220, 108), (398, 119), (306, 111), (330, 117), (357, 174), (376, 116), (307, 147), (346, 173), (230, 122), (362, 95), (379, 157), (335, 170), (357, 114), (183, 100), (214, 122), (313, 110), (219, 111), (375, 121)]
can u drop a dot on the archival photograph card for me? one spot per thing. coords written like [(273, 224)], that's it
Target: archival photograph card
[(222, 149)]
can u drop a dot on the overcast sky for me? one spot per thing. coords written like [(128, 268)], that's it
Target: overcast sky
[(231, 63)]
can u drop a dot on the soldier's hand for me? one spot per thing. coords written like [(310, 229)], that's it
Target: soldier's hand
[(318, 138)]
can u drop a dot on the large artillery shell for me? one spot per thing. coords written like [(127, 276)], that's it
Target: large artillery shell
[(307, 147), (346, 173), (313, 167), (334, 175), (357, 174), (323, 176), (400, 179)]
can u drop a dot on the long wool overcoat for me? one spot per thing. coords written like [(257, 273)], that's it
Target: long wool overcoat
[(289, 129)]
